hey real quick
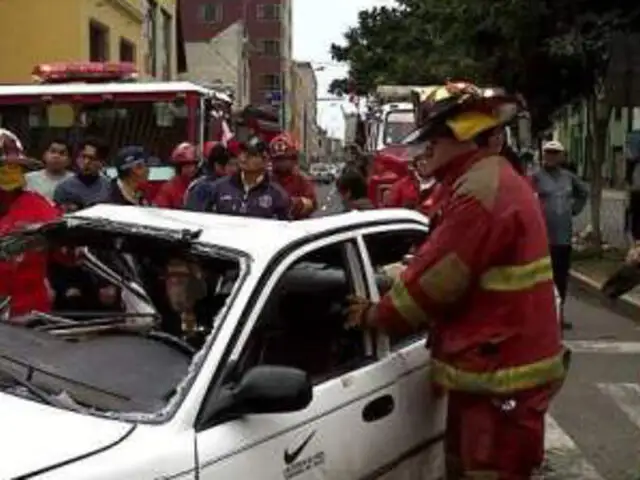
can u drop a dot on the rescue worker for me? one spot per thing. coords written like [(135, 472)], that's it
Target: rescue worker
[(185, 161), (412, 189), (23, 279), (133, 173), (482, 284), (219, 164), (251, 192), (284, 159)]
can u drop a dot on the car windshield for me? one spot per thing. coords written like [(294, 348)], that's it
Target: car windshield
[(398, 124), (115, 321)]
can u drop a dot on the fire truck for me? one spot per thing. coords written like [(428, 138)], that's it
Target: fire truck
[(74, 100), (389, 131)]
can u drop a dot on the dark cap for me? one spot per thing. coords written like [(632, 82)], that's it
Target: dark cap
[(129, 157), (255, 146)]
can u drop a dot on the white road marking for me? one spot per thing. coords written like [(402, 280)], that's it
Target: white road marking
[(564, 457), (604, 346), (626, 397)]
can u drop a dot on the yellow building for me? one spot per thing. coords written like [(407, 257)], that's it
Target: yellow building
[(42, 31)]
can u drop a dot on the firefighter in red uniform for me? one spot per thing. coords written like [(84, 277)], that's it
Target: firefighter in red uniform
[(414, 188), (185, 160), (284, 159), (487, 297), (24, 277)]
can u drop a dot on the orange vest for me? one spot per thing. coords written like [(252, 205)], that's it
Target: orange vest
[(482, 283)]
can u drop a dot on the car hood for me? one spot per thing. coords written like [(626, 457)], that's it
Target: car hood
[(35, 436)]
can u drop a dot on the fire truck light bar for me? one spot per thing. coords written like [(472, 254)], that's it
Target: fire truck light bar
[(84, 72)]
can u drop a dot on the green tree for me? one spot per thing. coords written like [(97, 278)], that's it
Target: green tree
[(554, 52)]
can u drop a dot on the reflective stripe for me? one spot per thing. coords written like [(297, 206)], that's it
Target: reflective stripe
[(520, 277), (406, 305), (500, 381)]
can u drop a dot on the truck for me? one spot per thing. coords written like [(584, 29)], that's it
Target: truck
[(72, 100)]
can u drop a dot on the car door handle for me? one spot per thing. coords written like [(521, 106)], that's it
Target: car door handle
[(378, 408)]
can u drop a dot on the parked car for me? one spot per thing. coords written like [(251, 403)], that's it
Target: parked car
[(274, 383), (321, 173)]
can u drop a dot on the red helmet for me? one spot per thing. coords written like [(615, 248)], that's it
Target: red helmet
[(283, 146), (184, 153)]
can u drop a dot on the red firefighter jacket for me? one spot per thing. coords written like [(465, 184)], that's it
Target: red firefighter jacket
[(24, 278), (403, 193), (171, 194), (302, 193), (482, 283)]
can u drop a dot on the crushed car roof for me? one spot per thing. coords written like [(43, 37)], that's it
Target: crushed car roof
[(254, 236)]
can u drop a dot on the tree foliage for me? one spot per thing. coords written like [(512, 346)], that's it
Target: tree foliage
[(554, 52)]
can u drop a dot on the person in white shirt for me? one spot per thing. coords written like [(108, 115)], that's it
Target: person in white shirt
[(56, 169)]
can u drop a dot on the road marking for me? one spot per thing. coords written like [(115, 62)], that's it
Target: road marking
[(564, 457), (603, 346), (626, 397)]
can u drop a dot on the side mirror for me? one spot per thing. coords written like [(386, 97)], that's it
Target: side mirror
[(271, 389)]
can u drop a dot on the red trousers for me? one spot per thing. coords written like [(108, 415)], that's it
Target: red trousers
[(493, 437)]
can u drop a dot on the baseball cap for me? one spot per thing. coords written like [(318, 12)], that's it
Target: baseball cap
[(129, 157), (552, 146), (254, 146)]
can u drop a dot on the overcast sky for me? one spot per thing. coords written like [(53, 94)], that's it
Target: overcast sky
[(317, 24)]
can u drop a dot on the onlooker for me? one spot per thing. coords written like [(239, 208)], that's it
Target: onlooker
[(89, 186), (250, 192), (563, 195), (56, 169), (133, 173), (352, 188)]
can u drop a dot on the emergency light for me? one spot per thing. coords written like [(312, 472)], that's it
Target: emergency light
[(87, 72)]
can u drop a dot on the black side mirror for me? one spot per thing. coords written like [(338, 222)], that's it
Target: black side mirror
[(272, 389)]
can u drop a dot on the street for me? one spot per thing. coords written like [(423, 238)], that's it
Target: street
[(593, 431)]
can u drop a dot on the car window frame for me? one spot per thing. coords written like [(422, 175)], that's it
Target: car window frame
[(383, 342)]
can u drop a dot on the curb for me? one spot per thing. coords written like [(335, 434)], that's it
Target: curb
[(626, 305)]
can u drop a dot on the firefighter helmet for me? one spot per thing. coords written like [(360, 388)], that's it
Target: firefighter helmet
[(282, 146), (11, 149)]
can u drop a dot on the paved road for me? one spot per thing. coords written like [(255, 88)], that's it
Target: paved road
[(593, 431)]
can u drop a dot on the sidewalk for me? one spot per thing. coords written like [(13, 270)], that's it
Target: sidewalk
[(589, 274)]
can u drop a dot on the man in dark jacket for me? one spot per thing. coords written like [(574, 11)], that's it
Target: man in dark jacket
[(133, 173), (219, 165), (352, 188), (250, 192)]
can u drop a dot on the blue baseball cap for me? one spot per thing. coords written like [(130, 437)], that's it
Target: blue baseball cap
[(129, 157)]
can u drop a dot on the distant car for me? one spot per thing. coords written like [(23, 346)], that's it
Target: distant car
[(276, 383), (321, 173)]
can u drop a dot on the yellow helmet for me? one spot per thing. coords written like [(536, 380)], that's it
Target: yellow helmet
[(464, 108)]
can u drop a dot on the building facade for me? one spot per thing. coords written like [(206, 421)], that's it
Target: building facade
[(268, 41), (138, 31), (304, 93)]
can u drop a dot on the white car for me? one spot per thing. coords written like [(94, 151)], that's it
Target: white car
[(231, 361)]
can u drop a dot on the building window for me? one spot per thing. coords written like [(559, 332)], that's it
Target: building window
[(268, 12), (127, 51), (270, 48), (151, 29), (98, 42), (271, 83), (210, 13), (167, 35)]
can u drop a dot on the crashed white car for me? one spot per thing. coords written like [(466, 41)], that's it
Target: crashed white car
[(225, 358)]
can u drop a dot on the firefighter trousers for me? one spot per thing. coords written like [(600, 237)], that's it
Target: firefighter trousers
[(496, 437)]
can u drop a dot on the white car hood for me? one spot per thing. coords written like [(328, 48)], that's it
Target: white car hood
[(35, 436)]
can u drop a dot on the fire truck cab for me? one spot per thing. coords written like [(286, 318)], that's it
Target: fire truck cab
[(75, 100)]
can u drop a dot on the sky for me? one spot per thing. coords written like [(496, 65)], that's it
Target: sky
[(316, 25)]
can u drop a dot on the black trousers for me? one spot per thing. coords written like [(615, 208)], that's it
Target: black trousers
[(561, 264)]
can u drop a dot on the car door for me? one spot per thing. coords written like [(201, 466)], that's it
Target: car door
[(345, 433), (421, 414)]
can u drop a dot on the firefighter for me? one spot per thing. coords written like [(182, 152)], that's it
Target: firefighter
[(284, 158), (23, 278), (412, 189), (185, 160), (482, 284)]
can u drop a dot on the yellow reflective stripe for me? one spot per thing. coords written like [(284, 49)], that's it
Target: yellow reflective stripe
[(505, 380), (406, 305), (514, 278)]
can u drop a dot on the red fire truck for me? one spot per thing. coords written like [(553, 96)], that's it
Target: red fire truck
[(73, 100)]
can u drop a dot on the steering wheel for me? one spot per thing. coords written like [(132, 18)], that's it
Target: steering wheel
[(173, 342)]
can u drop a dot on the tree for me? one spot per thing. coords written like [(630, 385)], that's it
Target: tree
[(553, 52)]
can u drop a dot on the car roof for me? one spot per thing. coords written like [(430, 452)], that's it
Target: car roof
[(254, 236)]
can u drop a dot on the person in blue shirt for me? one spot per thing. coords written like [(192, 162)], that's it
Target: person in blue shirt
[(250, 192)]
